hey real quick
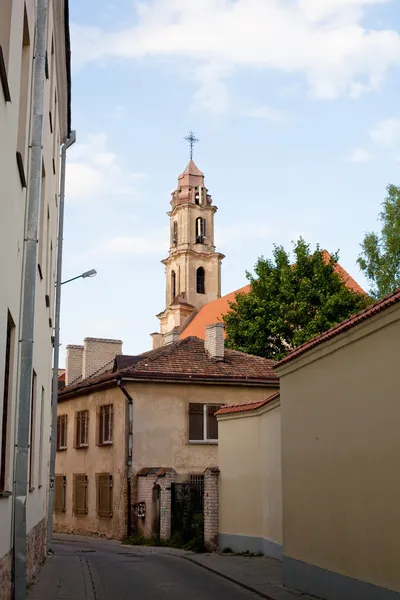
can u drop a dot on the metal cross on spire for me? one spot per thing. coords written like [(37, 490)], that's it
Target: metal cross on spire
[(192, 139)]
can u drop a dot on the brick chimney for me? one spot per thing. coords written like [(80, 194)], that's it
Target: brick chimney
[(73, 363), (214, 342), (97, 353)]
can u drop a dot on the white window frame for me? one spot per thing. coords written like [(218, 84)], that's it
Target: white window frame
[(205, 440)]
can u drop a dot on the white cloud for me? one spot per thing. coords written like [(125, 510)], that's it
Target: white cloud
[(267, 113), (93, 172), (387, 132), (325, 41), (359, 155)]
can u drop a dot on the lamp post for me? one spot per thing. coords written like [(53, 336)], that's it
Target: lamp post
[(91, 273)]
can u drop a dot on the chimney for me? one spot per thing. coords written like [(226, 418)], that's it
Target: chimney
[(97, 353), (157, 340), (214, 343), (73, 363), (171, 337)]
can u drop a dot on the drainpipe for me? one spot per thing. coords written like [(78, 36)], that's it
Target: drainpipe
[(71, 140), (28, 306), (130, 450)]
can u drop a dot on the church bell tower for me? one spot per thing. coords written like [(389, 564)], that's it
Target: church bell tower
[(193, 267)]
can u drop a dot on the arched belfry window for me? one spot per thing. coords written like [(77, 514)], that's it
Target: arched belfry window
[(197, 197), (173, 285), (175, 234), (200, 281), (200, 230)]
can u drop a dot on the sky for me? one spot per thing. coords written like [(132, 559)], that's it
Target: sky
[(295, 106)]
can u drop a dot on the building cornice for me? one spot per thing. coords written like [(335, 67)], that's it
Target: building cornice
[(190, 205), (193, 253)]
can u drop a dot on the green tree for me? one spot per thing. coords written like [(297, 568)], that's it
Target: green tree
[(380, 256), (288, 303)]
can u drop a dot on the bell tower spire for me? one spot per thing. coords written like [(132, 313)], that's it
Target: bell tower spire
[(193, 267)]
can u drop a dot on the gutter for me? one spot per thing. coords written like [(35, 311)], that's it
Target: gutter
[(157, 378), (128, 453)]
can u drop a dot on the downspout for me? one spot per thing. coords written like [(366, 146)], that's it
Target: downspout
[(28, 307), (129, 452), (71, 140)]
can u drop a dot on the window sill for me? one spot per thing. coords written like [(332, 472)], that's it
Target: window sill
[(82, 447), (31, 489), (105, 443), (61, 449), (5, 494), (204, 442)]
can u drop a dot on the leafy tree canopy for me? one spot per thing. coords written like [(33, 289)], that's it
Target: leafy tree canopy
[(289, 303), (380, 255)]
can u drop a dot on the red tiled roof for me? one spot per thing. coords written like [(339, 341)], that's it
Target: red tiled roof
[(241, 408), (358, 318), (213, 311), (187, 360)]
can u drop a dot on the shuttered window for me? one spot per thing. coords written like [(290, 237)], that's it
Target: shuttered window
[(80, 494), (82, 429), (106, 424), (60, 489), (104, 495), (62, 425)]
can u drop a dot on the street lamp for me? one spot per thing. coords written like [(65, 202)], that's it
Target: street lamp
[(91, 273)]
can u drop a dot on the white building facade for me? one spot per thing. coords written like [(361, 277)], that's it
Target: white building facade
[(17, 39)]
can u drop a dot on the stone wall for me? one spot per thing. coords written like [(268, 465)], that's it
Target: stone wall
[(211, 500), (5, 576), (36, 549)]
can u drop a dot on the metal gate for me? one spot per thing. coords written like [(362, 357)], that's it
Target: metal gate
[(186, 509)]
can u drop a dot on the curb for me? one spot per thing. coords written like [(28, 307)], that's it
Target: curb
[(239, 583)]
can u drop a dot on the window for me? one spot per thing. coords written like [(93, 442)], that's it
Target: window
[(5, 30), (82, 429), (62, 427), (32, 431), (196, 478), (8, 371), (23, 117), (200, 230), (80, 494), (104, 485), (106, 425), (203, 425), (60, 489), (173, 285), (197, 196), (175, 233), (200, 281), (40, 469)]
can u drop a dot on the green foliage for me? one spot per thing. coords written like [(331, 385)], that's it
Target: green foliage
[(196, 544), (380, 256), (288, 304)]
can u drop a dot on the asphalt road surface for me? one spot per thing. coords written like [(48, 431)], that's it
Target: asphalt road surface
[(97, 570)]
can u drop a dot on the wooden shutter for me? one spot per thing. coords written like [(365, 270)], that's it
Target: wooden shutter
[(80, 506), (60, 485), (104, 485)]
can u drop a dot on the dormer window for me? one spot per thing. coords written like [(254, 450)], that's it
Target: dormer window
[(175, 234), (200, 230)]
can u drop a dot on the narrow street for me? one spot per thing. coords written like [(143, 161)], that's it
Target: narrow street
[(100, 570)]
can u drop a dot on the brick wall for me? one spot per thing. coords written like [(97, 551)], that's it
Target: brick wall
[(73, 363), (97, 353), (211, 501), (5, 576), (144, 493), (165, 521)]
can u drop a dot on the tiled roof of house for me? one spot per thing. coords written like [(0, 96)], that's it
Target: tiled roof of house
[(187, 360), (242, 408), (213, 311), (358, 318)]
